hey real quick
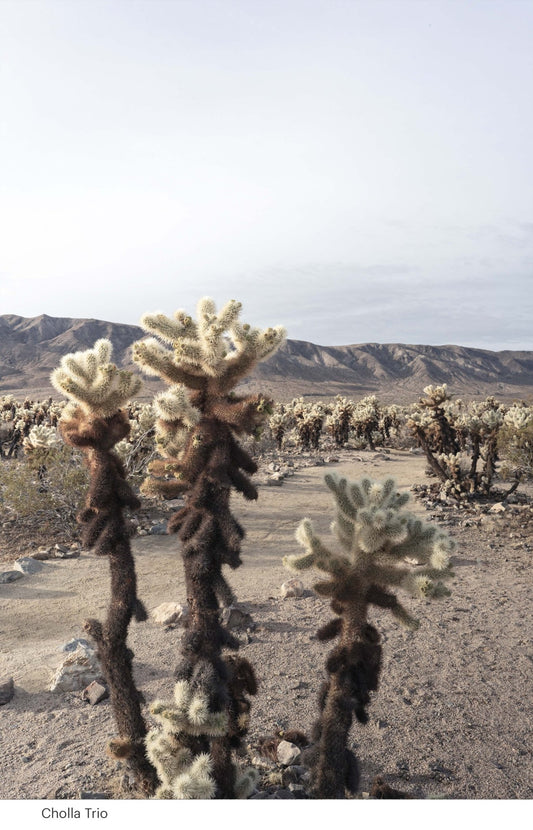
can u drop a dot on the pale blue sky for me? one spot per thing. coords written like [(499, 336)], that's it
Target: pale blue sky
[(355, 170)]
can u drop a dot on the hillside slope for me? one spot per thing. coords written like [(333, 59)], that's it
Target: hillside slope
[(31, 347)]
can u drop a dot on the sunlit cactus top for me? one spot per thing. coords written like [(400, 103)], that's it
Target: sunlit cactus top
[(376, 535), (92, 382), (217, 345), (207, 357)]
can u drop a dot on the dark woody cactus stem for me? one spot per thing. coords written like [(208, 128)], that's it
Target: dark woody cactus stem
[(199, 420), (92, 428)]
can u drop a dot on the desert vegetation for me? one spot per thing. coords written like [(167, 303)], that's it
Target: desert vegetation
[(198, 441)]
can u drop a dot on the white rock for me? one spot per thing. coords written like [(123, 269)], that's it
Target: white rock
[(288, 753), (28, 565), (292, 588), (498, 508), (170, 612), (76, 671)]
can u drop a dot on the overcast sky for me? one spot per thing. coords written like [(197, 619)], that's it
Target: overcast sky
[(356, 170)]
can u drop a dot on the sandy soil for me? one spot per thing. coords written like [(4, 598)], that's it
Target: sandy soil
[(452, 718)]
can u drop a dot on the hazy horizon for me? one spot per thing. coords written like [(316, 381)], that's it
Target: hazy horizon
[(356, 171)]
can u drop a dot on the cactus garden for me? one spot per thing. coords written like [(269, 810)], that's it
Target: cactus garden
[(210, 594)]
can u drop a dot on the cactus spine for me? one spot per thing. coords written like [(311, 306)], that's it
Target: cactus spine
[(94, 422), (374, 534), (199, 417)]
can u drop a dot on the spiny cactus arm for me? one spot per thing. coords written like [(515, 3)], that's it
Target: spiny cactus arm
[(174, 720), (243, 414), (197, 782), (426, 543), (338, 487), (376, 595), (317, 555), (168, 488), (171, 330), (211, 328), (174, 406), (154, 359), (168, 756), (251, 346)]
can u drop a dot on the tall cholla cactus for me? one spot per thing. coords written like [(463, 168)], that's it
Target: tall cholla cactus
[(375, 535), (94, 422), (199, 418)]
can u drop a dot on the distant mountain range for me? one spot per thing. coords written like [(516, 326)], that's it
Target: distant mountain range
[(31, 347)]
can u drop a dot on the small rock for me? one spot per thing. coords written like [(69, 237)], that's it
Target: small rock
[(64, 552), (233, 617), (499, 507), (331, 459), (95, 692), (42, 554), (73, 644), (10, 576), (169, 613), (274, 467), (159, 529), (275, 480), (28, 565), (7, 691), (292, 588), (288, 754)]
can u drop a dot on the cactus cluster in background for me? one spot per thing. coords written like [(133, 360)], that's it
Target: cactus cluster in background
[(93, 422), (190, 442), (199, 420), (460, 443), (374, 534)]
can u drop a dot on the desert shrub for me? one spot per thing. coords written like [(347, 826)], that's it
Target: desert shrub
[(26, 490), (139, 447)]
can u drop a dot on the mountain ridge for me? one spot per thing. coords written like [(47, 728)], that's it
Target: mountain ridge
[(31, 347)]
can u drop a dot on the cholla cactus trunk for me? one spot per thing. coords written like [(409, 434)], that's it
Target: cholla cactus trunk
[(199, 419), (375, 535), (87, 427)]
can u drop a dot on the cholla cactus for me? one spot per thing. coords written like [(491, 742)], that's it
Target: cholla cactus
[(93, 422), (338, 422), (515, 443), (199, 418), (375, 534), (93, 383), (457, 440), (278, 423), (308, 419), (40, 445), (191, 733), (366, 419)]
